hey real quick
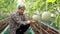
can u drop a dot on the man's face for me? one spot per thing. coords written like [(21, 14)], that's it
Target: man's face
[(21, 11)]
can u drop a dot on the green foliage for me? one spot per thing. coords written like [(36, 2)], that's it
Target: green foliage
[(7, 7)]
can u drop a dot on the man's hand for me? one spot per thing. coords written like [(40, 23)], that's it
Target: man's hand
[(33, 21), (29, 21)]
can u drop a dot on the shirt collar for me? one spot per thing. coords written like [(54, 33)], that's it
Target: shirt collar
[(18, 13)]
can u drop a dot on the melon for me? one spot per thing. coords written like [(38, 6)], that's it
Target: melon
[(36, 17), (46, 16)]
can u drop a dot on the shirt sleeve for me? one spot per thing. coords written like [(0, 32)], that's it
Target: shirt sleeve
[(18, 21)]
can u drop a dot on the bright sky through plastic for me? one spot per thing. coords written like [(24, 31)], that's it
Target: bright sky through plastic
[(20, 2)]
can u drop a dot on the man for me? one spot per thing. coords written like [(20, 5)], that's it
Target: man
[(18, 22)]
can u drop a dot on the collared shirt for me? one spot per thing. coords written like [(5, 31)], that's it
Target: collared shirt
[(16, 21)]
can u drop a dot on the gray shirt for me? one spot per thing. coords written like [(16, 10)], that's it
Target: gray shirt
[(16, 21)]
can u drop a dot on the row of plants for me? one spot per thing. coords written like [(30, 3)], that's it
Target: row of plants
[(48, 9)]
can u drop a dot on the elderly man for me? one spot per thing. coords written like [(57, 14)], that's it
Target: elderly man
[(18, 23)]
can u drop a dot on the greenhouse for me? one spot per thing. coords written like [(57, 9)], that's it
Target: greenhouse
[(45, 12)]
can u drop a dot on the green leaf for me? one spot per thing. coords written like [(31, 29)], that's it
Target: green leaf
[(51, 1)]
